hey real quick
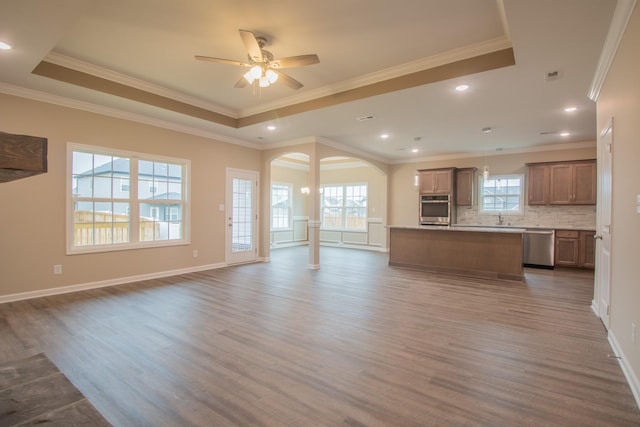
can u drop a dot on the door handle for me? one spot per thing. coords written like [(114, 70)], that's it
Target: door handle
[(597, 236)]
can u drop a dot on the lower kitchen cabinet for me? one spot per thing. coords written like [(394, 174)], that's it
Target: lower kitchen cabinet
[(575, 248)]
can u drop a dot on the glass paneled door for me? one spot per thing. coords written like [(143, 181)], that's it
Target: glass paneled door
[(241, 216)]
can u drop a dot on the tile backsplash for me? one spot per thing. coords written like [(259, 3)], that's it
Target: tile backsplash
[(558, 217)]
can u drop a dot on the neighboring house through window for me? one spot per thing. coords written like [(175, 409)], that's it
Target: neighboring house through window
[(281, 206), (120, 200), (502, 194), (344, 206)]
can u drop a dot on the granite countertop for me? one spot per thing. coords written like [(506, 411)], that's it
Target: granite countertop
[(513, 230)]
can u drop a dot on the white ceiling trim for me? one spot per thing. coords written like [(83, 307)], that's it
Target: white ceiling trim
[(621, 16), (535, 149), (119, 114), (477, 49), (95, 70)]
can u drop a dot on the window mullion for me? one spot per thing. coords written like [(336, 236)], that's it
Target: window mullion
[(134, 203)]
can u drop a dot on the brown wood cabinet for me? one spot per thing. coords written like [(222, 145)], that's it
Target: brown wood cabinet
[(464, 186), (538, 185), (436, 181), (587, 249), (562, 183), (575, 248)]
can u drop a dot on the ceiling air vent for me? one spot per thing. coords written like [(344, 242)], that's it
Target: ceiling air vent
[(550, 76)]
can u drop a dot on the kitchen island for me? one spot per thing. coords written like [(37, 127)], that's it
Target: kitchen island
[(484, 252)]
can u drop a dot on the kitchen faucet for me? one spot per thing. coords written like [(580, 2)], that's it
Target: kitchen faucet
[(500, 218)]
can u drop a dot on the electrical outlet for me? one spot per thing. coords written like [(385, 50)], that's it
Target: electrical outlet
[(57, 269), (195, 253), (633, 333)]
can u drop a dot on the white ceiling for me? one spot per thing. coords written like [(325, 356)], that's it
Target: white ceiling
[(150, 44)]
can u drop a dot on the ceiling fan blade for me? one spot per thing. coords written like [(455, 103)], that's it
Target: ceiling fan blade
[(241, 83), (289, 81), (222, 61), (295, 61), (252, 46)]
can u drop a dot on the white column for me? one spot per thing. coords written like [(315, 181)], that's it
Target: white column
[(314, 209)]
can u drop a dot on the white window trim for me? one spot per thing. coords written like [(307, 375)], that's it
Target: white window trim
[(519, 212), (133, 200), (289, 226), (354, 230)]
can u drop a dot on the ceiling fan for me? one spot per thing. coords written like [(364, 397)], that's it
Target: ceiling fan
[(263, 68)]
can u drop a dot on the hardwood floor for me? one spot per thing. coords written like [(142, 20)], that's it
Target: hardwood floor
[(355, 343)]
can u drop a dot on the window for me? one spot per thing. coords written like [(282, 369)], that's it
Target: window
[(502, 194), (344, 206), (119, 200), (280, 206)]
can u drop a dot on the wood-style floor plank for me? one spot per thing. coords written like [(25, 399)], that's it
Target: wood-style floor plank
[(356, 343)]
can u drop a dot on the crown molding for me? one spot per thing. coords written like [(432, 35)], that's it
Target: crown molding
[(104, 73), (505, 152), (471, 51), (22, 92), (621, 16)]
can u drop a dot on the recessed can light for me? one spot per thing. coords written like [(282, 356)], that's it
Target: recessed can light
[(271, 127), (414, 150), (565, 133), (570, 109), (384, 135), (5, 46), (462, 88)]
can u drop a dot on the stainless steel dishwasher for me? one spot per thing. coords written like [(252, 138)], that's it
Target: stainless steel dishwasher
[(538, 248)]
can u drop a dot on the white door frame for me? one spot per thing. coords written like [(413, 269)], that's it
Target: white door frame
[(247, 250), (603, 236)]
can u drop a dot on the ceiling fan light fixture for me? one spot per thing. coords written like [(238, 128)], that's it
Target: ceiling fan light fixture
[(271, 76), (254, 73)]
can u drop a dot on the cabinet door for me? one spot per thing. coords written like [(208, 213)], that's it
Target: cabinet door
[(464, 186), (560, 184), (587, 254), (584, 177), (538, 185), (444, 181), (427, 182), (566, 252)]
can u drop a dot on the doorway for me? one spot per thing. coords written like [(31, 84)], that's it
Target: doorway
[(241, 215)]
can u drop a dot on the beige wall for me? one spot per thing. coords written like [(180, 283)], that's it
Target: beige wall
[(620, 98), (298, 178), (376, 184), (403, 195), (32, 218)]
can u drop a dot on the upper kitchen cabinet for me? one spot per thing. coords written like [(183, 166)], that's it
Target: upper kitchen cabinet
[(538, 184), (573, 183), (464, 186), (562, 183), (437, 181)]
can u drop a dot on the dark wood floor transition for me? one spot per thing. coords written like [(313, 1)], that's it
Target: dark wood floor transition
[(355, 343)]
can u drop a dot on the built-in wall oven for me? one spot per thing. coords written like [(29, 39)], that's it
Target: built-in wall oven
[(436, 209)]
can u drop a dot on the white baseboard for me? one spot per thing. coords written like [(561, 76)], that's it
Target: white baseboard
[(594, 308), (104, 283), (627, 370)]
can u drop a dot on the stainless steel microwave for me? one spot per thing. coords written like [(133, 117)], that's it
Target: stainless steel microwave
[(435, 209)]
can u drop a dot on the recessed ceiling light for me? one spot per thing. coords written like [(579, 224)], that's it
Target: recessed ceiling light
[(565, 133), (5, 46), (462, 88), (414, 150), (570, 109), (271, 127), (384, 135), (487, 130)]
